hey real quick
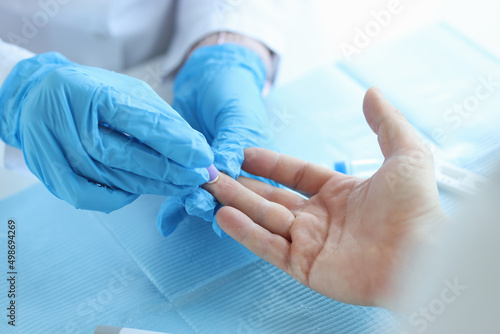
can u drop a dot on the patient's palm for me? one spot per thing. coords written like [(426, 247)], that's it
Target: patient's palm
[(351, 236)]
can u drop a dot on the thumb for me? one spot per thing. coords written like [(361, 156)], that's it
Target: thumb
[(228, 148), (395, 135)]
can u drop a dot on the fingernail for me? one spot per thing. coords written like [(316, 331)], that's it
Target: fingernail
[(213, 174)]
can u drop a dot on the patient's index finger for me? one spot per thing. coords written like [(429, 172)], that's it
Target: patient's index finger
[(272, 216), (294, 173)]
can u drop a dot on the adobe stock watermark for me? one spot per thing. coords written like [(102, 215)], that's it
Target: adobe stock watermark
[(153, 78), (89, 309), (420, 320), (455, 116), (254, 321), (409, 166), (32, 25), (262, 310), (279, 119), (225, 7), (363, 36)]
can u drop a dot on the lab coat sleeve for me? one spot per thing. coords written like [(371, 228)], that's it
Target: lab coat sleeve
[(10, 55), (265, 21)]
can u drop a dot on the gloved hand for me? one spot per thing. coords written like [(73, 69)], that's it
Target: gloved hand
[(219, 92), (96, 138)]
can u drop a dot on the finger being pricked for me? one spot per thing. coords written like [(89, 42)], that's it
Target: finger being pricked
[(272, 216)]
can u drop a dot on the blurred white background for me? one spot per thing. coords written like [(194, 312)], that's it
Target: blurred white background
[(336, 23)]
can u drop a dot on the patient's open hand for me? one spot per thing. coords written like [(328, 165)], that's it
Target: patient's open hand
[(349, 237)]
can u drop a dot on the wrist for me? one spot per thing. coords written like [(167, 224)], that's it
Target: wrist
[(10, 55), (229, 65), (223, 37)]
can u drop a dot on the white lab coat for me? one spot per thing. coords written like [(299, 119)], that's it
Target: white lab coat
[(116, 34)]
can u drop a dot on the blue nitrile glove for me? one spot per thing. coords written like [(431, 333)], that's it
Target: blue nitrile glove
[(96, 138), (219, 92)]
